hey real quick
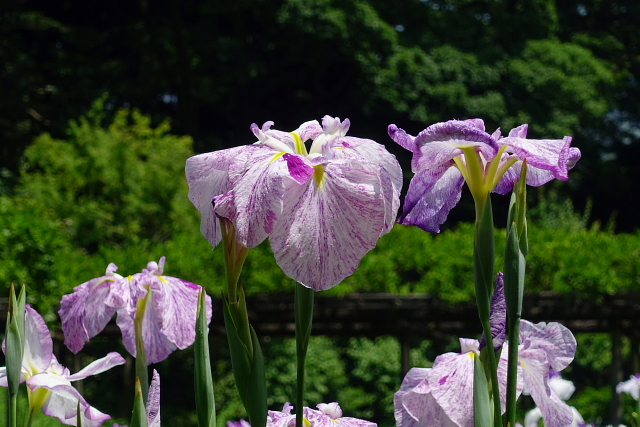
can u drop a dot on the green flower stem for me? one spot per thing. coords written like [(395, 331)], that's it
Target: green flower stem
[(514, 271), (484, 259), (142, 370), (246, 356), (304, 318)]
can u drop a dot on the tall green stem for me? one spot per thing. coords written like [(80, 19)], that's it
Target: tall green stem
[(142, 370), (484, 260), (304, 318)]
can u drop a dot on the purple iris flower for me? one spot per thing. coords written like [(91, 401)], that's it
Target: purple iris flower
[(322, 209), (327, 415), (166, 305), (49, 383), (443, 395), (447, 154)]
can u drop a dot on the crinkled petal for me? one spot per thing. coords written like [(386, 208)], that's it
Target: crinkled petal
[(86, 311), (282, 418), (98, 366), (153, 401), (309, 130), (64, 399), (38, 345), (255, 202), (331, 223), (432, 194), (555, 339), (548, 154), (441, 142), (535, 176), (535, 370), (176, 302), (365, 150), (208, 176), (414, 399), (451, 381)]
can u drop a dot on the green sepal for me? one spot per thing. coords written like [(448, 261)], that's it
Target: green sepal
[(246, 361), (139, 416), (205, 401), (482, 407)]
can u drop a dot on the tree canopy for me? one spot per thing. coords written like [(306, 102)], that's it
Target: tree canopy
[(566, 68)]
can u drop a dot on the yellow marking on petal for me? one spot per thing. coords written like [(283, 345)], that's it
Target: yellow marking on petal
[(162, 279), (306, 422), (318, 175), (299, 145), (276, 156)]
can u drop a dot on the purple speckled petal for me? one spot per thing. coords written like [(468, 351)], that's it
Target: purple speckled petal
[(330, 226), (176, 302), (440, 143), (402, 138), (86, 311), (432, 194), (535, 370), (548, 154), (498, 315), (38, 345), (98, 366), (309, 130), (556, 340), (255, 203), (451, 380), (153, 401), (208, 176), (64, 399), (360, 150), (282, 418)]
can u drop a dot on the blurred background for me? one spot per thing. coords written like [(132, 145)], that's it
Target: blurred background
[(101, 103)]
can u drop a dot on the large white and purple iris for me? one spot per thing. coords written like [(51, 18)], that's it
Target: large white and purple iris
[(49, 383), (166, 305), (322, 209), (447, 154)]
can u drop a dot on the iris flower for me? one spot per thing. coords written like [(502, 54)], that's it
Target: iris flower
[(443, 394), (167, 306), (631, 386), (327, 415), (49, 383), (322, 209), (447, 154)]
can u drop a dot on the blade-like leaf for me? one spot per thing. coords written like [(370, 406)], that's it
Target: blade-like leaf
[(139, 417), (205, 401), (482, 408)]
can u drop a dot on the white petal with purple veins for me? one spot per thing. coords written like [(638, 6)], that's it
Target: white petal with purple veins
[(331, 223)]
